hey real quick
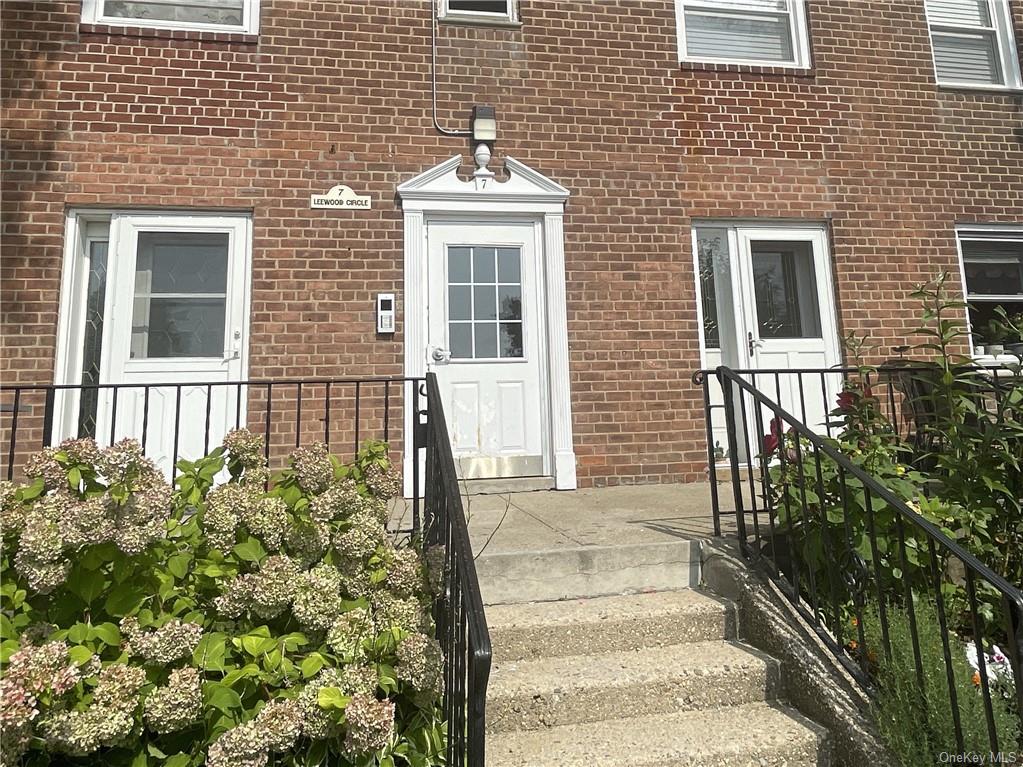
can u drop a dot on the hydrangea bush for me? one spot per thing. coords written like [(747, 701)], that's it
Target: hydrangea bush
[(217, 623)]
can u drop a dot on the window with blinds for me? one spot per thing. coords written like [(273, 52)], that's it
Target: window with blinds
[(771, 32), (993, 272), (973, 43), (478, 10), (214, 15)]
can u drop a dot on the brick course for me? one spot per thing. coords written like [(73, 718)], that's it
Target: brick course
[(589, 93)]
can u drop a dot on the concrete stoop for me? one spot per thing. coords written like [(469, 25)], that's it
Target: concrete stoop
[(612, 679)]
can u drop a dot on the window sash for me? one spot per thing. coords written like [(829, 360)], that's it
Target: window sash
[(793, 45), (95, 12), (510, 14), (972, 43)]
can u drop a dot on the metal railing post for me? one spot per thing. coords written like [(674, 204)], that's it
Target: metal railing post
[(733, 457)]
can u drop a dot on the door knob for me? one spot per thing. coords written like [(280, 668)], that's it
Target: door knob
[(440, 355)]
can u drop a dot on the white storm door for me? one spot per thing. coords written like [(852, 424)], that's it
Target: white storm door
[(789, 317), (178, 303), (485, 343)]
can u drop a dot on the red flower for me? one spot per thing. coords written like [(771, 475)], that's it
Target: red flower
[(847, 401), (770, 443)]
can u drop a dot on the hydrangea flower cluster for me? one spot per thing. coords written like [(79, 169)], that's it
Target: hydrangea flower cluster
[(274, 729), (32, 672), (384, 484), (420, 662), (176, 705), (61, 522), (314, 470), (370, 723), (108, 721), (318, 597), (348, 632), (246, 448), (172, 641), (267, 592)]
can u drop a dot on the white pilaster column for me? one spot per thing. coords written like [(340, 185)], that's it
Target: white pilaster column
[(557, 324)]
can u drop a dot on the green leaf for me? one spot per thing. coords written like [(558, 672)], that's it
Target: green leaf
[(311, 665), (79, 654), (108, 633), (332, 697), (178, 564), (221, 697), (250, 551), (178, 760), (140, 760), (88, 584), (78, 633), (124, 599), (210, 652), (256, 645)]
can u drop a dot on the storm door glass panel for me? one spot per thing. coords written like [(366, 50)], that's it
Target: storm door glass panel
[(785, 286), (484, 303), (712, 255), (93, 336), (219, 12), (180, 295)]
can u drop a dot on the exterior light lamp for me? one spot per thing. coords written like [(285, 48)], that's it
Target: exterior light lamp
[(484, 124)]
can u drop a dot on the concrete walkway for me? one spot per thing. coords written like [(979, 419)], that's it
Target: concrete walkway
[(543, 520)]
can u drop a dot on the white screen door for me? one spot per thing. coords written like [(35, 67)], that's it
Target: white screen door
[(772, 309), (172, 310), (484, 342)]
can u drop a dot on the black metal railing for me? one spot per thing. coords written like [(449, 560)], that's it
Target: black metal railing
[(900, 390), (461, 623), (185, 420), (879, 583)]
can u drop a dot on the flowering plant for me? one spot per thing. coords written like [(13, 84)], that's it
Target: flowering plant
[(220, 623)]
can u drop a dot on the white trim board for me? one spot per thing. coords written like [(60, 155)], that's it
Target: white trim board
[(438, 194)]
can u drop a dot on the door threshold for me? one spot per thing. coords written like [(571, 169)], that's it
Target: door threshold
[(499, 486)]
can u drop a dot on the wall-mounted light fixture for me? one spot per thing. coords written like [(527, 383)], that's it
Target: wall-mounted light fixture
[(484, 123)]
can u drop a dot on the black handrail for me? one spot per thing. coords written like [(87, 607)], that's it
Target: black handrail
[(824, 571), (461, 622)]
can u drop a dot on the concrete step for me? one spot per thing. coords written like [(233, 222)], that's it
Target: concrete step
[(738, 736), (548, 692), (606, 624), (587, 571)]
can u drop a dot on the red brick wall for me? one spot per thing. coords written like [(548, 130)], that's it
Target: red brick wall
[(589, 93)]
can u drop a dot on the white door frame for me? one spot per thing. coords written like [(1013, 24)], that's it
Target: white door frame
[(438, 194)]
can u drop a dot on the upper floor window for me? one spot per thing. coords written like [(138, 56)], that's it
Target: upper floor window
[(209, 15), (973, 43), (767, 32), (481, 11)]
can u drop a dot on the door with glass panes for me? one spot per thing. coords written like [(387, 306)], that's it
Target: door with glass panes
[(767, 305), (158, 305), (484, 342)]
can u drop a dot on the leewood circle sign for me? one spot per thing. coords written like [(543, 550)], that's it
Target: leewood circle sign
[(341, 196)]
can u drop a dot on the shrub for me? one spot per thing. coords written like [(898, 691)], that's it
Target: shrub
[(916, 720), (220, 623)]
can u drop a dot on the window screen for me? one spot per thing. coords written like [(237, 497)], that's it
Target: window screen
[(994, 278)]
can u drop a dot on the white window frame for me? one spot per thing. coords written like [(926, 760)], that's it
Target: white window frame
[(990, 233), (445, 13), (797, 27), (93, 13), (1005, 40)]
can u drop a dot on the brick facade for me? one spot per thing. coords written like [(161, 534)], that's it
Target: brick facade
[(589, 93)]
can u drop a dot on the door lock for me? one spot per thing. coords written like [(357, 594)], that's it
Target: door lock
[(440, 355)]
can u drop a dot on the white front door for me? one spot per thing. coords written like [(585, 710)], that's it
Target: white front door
[(166, 317), (772, 308), (486, 343)]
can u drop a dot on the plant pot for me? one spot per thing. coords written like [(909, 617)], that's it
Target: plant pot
[(995, 349), (979, 350)]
